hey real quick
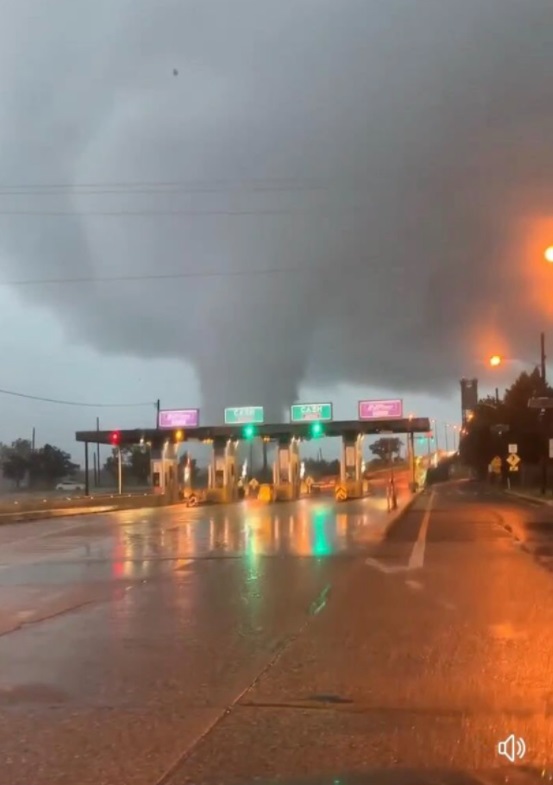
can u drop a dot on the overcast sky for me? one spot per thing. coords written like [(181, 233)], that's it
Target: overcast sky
[(296, 198)]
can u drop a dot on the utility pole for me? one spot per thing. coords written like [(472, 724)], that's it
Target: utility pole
[(446, 439), (98, 467), (119, 471), (158, 409), (543, 417), (33, 441), (436, 440), (265, 464)]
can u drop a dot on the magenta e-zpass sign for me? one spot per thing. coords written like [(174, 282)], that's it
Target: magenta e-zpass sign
[(179, 418), (381, 410)]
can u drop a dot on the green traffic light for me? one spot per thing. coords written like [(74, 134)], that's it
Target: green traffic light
[(249, 432), (316, 429)]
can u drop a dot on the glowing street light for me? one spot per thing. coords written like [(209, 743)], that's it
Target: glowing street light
[(549, 254), (495, 360)]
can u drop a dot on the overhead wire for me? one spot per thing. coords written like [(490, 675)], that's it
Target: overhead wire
[(307, 269), (76, 403)]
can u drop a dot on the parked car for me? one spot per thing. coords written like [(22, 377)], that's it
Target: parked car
[(69, 485)]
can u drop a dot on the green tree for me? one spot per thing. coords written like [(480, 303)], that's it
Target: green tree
[(318, 467), (386, 447), (138, 460), (495, 424), (135, 463), (111, 465), (16, 460), (49, 464)]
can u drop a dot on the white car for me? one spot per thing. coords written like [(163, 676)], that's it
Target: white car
[(69, 485)]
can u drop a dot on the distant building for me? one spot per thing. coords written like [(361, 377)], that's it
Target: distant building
[(469, 399)]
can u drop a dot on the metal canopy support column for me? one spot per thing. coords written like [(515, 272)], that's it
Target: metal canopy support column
[(156, 469), (231, 477), (294, 468), (351, 463), (163, 467), (223, 478), (286, 471)]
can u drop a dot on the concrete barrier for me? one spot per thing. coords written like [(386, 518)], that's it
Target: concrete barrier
[(54, 509)]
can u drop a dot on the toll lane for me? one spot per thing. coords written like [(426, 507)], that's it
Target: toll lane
[(439, 645), (184, 643), (145, 626)]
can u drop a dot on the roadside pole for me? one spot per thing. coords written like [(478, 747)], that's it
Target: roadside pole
[(119, 471)]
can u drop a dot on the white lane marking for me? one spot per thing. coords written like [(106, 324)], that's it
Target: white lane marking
[(389, 570), (416, 560), (25, 614), (416, 585)]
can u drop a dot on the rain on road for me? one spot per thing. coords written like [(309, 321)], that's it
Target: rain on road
[(220, 644)]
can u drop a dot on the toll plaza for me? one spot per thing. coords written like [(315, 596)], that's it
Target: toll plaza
[(308, 421)]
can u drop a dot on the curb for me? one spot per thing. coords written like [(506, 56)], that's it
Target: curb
[(397, 516), (45, 515), (531, 499), (32, 516)]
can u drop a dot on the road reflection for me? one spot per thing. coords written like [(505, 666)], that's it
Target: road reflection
[(307, 528)]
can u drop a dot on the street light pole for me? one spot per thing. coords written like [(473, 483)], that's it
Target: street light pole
[(446, 439), (542, 357), (435, 429)]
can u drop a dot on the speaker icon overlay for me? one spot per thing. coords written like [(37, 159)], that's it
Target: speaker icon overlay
[(512, 748)]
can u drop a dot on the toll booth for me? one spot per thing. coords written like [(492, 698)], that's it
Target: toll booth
[(223, 477), (351, 464), (286, 469), (164, 471)]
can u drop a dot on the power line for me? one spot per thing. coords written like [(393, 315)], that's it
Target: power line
[(309, 270), (170, 187), (173, 213), (262, 182), (76, 403)]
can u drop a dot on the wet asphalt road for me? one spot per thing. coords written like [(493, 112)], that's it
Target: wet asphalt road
[(221, 644)]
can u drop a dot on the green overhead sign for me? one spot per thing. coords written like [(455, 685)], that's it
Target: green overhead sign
[(308, 412), (244, 415)]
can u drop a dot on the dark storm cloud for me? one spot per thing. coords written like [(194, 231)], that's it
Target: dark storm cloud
[(394, 146)]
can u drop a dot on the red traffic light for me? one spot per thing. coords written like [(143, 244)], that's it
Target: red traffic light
[(114, 437)]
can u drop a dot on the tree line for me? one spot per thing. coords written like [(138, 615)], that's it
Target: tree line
[(497, 422), (43, 466), (49, 464)]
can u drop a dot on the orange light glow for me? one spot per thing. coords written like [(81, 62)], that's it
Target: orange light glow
[(495, 360), (534, 249)]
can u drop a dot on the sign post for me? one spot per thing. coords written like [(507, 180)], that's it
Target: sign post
[(244, 415), (308, 412)]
